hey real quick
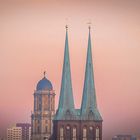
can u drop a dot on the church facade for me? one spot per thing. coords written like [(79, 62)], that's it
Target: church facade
[(77, 124)]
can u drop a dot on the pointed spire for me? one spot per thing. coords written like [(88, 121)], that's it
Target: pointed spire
[(66, 102), (89, 105)]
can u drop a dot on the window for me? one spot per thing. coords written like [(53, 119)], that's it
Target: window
[(84, 133), (38, 129), (52, 103), (39, 103), (74, 133), (68, 132), (97, 134), (91, 133), (46, 102), (46, 128), (61, 133)]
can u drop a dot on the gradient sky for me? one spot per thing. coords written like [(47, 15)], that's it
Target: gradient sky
[(32, 35)]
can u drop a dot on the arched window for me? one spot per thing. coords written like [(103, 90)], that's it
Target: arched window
[(38, 125), (74, 133), (51, 103), (39, 102), (46, 102), (61, 133), (84, 133), (46, 129), (68, 132), (91, 133), (97, 134), (35, 102), (38, 129)]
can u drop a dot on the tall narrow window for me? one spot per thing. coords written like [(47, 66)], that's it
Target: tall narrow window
[(39, 102), (61, 133), (84, 133), (38, 129), (52, 103), (97, 134), (74, 133), (46, 129), (46, 102), (35, 102), (68, 132), (91, 133)]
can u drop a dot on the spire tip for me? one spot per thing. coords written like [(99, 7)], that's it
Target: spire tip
[(66, 27), (89, 27), (44, 73)]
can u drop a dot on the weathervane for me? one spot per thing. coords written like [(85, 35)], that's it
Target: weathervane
[(44, 73), (66, 23), (89, 24), (66, 27)]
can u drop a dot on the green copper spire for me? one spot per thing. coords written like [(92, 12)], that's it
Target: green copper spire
[(89, 106), (66, 102)]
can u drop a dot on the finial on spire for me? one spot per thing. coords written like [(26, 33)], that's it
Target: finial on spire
[(66, 23), (44, 73), (89, 25), (66, 27)]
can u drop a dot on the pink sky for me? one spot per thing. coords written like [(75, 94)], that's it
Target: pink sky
[(32, 36)]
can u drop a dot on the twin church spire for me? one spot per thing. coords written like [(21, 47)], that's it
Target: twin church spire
[(66, 109), (66, 101), (66, 97), (89, 105)]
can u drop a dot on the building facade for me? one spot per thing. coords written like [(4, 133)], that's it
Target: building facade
[(14, 133), (26, 130), (44, 110), (21, 131), (124, 137), (77, 124)]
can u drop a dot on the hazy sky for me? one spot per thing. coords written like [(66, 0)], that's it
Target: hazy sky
[(32, 35)]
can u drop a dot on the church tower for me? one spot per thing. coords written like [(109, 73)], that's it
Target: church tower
[(77, 124), (91, 120), (66, 107), (44, 110), (66, 115)]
